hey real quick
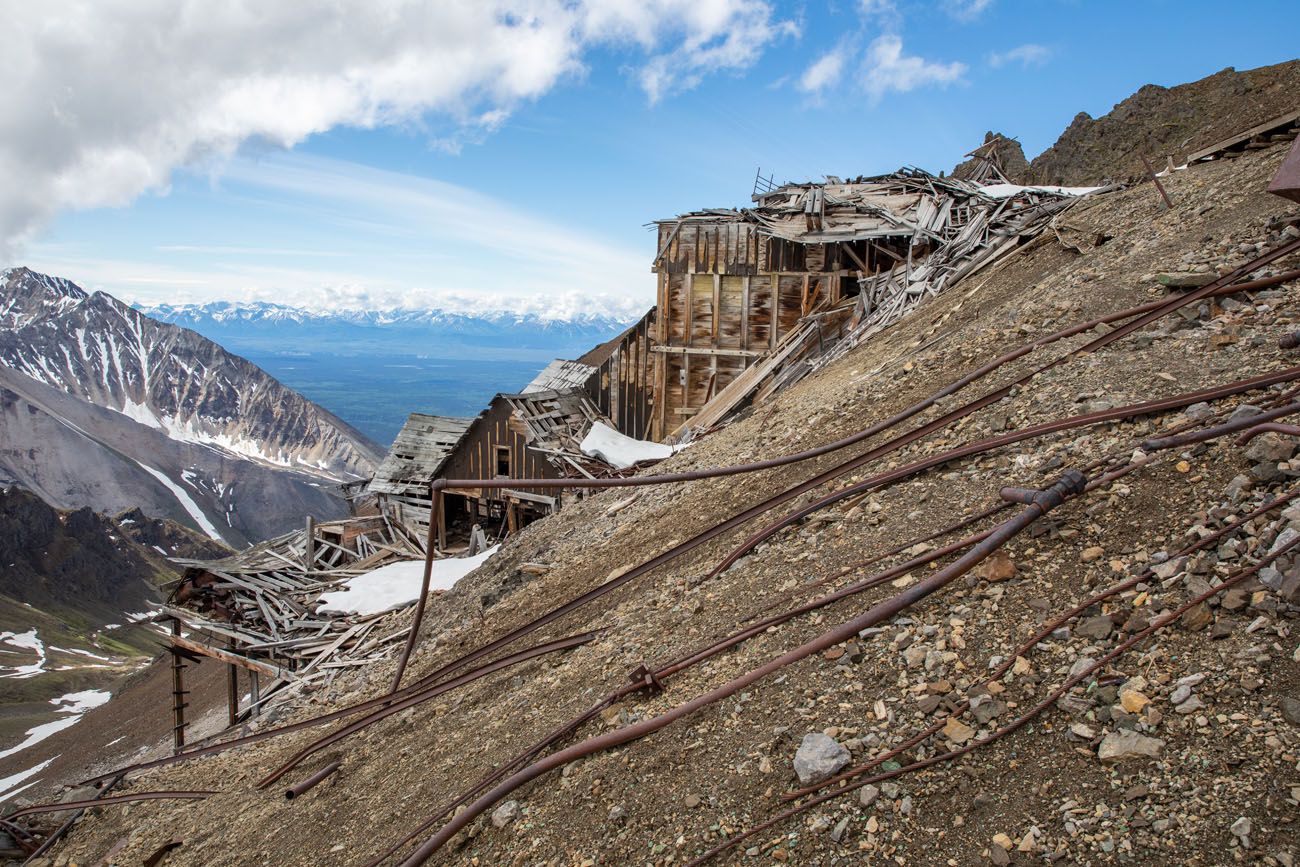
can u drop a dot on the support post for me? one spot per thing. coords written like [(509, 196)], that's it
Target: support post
[(232, 691), (255, 693), (178, 693), (309, 550)]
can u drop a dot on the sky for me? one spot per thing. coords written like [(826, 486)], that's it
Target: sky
[(493, 154)]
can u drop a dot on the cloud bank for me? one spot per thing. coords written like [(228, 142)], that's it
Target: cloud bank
[(100, 102)]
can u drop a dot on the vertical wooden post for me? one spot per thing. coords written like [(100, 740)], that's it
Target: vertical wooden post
[(309, 550), (254, 693), (232, 690), (438, 516), (178, 693)]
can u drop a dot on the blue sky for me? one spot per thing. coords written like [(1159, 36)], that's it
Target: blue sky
[(532, 178)]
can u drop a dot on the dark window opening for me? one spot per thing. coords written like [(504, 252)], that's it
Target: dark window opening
[(503, 462)]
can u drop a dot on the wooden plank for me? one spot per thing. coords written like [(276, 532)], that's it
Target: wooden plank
[(704, 350), (231, 658)]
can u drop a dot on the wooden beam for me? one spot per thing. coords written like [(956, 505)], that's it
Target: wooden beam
[(232, 658), (704, 350)]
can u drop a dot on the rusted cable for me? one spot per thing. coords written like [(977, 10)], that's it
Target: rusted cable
[(58, 833), (312, 781), (980, 446), (181, 795), (422, 696), (1144, 311), (379, 702), (1043, 632), (1070, 483), (1010, 727)]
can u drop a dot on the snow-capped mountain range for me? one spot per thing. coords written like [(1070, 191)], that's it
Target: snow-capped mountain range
[(120, 409), (524, 314)]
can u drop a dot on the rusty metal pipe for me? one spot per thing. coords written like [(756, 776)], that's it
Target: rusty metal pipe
[(422, 696), (180, 794), (1156, 444), (312, 781), (1071, 483), (381, 701), (1268, 427)]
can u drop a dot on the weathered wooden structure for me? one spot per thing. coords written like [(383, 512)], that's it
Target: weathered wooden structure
[(530, 435), (752, 297), (401, 481), (622, 384)]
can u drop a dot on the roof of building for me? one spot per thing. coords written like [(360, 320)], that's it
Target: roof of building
[(421, 448), (559, 375), (553, 420)]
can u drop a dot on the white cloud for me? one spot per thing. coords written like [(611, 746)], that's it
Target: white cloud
[(404, 241), (101, 101), (824, 72), (881, 14), (966, 10), (889, 69), (1026, 55)]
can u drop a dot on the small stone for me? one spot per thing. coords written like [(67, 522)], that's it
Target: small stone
[(1132, 700), (999, 567), (1097, 627), (957, 731), (1241, 827), (819, 757), (1185, 279), (1199, 411), (841, 827), (505, 814), (1270, 448), (1082, 731), (692, 801), (1002, 840), (1125, 745), (867, 795), (1191, 705), (1197, 617), (1180, 694), (999, 856), (616, 814), (1088, 555)]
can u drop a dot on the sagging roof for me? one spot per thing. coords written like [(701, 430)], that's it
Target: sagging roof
[(908, 203), (559, 375), (419, 452), (553, 420)]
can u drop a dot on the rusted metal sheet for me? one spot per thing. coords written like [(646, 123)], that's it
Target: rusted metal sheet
[(1286, 183)]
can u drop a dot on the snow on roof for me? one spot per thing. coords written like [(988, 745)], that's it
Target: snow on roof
[(620, 451)]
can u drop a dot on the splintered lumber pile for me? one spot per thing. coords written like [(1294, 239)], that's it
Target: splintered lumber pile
[(259, 609)]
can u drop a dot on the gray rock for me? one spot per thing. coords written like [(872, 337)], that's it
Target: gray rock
[(1199, 411), (1191, 705), (1180, 694), (1097, 627), (1291, 709), (818, 757), (867, 795), (1246, 410), (837, 833), (1124, 746), (505, 814), (1185, 280), (1270, 448)]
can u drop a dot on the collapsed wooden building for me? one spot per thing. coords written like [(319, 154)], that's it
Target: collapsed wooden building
[(750, 298)]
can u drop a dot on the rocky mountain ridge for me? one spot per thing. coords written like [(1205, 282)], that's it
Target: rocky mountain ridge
[(105, 407)]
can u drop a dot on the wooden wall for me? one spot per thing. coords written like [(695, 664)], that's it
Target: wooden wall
[(726, 296), (621, 387)]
